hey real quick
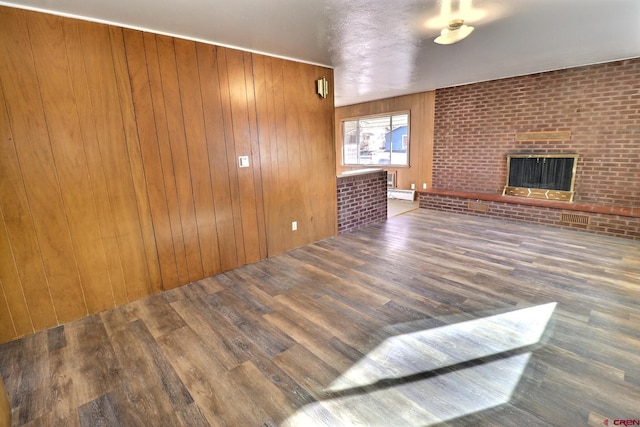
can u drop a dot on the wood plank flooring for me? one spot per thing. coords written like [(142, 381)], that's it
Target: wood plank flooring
[(428, 318), (397, 207)]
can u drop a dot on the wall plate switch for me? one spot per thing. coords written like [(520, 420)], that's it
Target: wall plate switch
[(243, 161), (424, 186), (413, 186), (294, 225)]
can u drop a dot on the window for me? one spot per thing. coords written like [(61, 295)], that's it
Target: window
[(376, 140)]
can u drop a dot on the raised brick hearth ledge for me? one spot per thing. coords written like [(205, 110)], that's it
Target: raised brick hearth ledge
[(554, 204)]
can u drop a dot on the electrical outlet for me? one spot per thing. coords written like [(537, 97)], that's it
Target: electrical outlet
[(294, 225), (413, 186), (424, 186)]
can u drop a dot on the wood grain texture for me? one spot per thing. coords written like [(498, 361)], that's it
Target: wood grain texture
[(71, 239), (5, 408), (150, 152), (15, 222), (429, 318), (135, 155), (217, 154), (118, 165), (218, 212), (119, 169), (33, 145), (422, 108), (296, 157), (94, 167), (160, 136), (544, 136), (196, 139), (179, 157), (71, 165)]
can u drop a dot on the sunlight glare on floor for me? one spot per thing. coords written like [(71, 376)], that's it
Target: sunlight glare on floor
[(433, 375)]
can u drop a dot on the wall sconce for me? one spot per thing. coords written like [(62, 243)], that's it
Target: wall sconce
[(322, 87)]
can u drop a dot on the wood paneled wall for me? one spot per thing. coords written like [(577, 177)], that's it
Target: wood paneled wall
[(76, 236), (297, 152), (422, 107), (119, 164), (5, 408), (192, 105)]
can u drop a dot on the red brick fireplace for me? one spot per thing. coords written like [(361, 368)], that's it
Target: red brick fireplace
[(595, 109)]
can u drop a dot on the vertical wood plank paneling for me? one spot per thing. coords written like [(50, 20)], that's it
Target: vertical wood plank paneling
[(276, 173), (239, 108), (321, 155), (317, 187), (196, 138), (179, 154), (21, 87), (164, 144), (266, 131), (59, 103), (217, 154), (94, 165), (5, 407), (7, 327), (256, 165), (135, 156), (298, 156), (278, 199), (15, 219), (225, 76), (114, 154), (118, 164), (147, 133), (294, 163)]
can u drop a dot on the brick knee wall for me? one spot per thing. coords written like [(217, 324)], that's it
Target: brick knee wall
[(362, 200), (599, 223)]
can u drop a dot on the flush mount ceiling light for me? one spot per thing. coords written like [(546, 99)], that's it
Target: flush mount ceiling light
[(454, 33)]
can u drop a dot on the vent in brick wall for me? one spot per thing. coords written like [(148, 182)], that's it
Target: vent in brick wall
[(571, 218), (478, 206)]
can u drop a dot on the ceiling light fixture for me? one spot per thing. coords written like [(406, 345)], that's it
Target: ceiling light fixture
[(454, 33)]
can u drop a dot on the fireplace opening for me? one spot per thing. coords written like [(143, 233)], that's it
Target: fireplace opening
[(545, 176)]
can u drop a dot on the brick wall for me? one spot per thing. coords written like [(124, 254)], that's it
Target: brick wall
[(475, 127), (599, 223), (362, 200), (476, 124)]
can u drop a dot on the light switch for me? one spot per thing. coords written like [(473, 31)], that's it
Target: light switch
[(243, 161)]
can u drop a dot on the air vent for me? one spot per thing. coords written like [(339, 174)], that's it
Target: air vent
[(478, 206), (571, 218)]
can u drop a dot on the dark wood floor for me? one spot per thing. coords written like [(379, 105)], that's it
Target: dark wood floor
[(425, 318)]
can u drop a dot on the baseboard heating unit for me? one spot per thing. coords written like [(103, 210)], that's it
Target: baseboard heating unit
[(401, 194)]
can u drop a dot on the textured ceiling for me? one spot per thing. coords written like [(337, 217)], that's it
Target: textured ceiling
[(382, 48)]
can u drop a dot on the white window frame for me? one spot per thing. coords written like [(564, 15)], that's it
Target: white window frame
[(362, 156)]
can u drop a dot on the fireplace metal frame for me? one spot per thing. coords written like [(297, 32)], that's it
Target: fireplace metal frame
[(541, 193)]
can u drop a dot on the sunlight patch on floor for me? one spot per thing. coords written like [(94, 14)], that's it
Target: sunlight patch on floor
[(397, 207), (429, 376)]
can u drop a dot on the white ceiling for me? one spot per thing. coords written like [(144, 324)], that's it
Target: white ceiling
[(384, 48)]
